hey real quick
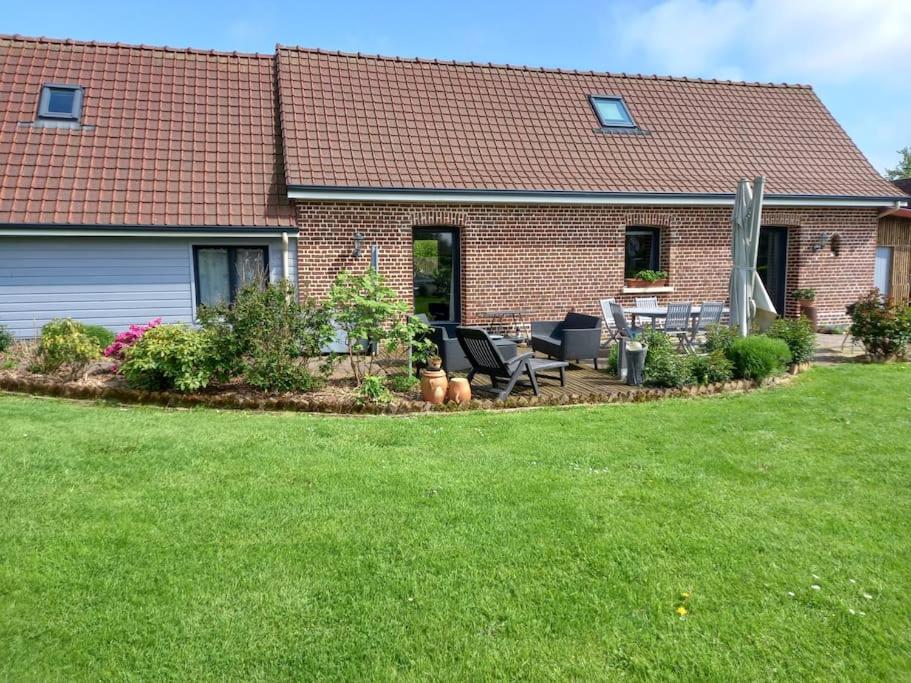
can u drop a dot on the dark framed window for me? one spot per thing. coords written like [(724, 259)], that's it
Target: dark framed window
[(611, 111), (220, 272), (60, 102), (643, 250), (436, 273)]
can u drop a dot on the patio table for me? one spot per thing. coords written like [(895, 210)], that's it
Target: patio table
[(503, 318), (656, 312)]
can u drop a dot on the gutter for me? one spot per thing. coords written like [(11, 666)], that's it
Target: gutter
[(67, 230), (349, 194), (897, 210)]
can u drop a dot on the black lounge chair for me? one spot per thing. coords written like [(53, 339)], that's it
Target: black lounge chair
[(486, 359), (449, 349), (576, 336)]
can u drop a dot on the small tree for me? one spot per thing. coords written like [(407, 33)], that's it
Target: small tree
[(903, 169), (376, 323)]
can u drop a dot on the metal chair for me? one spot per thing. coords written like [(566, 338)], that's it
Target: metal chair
[(677, 324), (709, 314)]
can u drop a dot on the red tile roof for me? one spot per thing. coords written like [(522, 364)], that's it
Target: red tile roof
[(177, 137), (377, 122)]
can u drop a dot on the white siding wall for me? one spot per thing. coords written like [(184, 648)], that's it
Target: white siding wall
[(106, 281)]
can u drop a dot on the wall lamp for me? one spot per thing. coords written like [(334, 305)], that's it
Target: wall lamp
[(358, 244), (832, 239)]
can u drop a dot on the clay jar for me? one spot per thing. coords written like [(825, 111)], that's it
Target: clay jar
[(459, 390), (434, 385)]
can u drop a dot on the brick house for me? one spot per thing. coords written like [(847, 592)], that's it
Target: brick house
[(138, 181)]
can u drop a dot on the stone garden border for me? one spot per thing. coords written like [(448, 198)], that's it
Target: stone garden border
[(48, 387)]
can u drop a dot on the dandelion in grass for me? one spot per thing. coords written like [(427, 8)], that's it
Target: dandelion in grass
[(682, 611)]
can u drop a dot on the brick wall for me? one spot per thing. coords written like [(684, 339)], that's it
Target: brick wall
[(553, 258)]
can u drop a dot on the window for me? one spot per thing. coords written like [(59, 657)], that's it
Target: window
[(882, 273), (222, 271), (643, 249), (60, 102), (612, 111)]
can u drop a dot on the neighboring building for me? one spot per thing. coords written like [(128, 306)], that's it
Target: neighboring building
[(893, 250), (138, 181)]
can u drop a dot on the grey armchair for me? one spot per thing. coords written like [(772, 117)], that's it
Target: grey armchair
[(451, 353), (575, 337)]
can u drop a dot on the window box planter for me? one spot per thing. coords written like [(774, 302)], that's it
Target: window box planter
[(634, 282)]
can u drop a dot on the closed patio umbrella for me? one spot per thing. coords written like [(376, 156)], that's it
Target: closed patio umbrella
[(749, 299)]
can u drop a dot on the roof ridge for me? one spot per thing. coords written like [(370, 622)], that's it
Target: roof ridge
[(16, 37), (537, 69)]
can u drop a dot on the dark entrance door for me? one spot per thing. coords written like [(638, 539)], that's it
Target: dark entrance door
[(435, 258), (772, 264)]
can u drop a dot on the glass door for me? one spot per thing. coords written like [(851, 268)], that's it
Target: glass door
[(435, 259), (882, 276), (772, 264)]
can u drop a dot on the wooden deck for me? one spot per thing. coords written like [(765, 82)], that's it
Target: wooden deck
[(581, 380)]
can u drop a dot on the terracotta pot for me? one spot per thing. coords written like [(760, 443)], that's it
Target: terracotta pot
[(808, 310), (459, 390), (635, 282), (433, 386)]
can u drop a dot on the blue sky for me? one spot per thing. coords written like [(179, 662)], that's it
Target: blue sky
[(854, 52)]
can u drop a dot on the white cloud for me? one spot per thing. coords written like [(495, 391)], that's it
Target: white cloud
[(819, 41)]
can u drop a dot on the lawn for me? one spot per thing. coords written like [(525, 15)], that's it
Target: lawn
[(553, 544)]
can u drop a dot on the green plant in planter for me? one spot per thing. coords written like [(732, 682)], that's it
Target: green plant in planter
[(798, 335), (757, 357), (883, 326), (651, 275), (806, 294)]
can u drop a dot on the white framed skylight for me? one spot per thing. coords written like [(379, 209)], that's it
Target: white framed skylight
[(611, 111)]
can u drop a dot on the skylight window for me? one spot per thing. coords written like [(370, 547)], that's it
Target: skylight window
[(612, 111), (62, 102)]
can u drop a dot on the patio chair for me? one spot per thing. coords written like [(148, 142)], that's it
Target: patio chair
[(647, 302), (624, 329), (450, 351), (709, 314), (576, 336), (677, 324), (485, 359), (613, 334)]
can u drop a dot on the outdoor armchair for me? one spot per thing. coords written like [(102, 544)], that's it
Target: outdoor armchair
[(576, 336)]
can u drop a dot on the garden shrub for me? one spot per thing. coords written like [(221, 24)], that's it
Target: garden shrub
[(367, 310), (6, 338), (664, 367), (373, 391), (402, 382), (710, 368), (798, 335), (267, 335), (883, 326), (170, 357), (102, 336), (719, 338), (65, 347), (757, 357), (613, 359), (124, 340)]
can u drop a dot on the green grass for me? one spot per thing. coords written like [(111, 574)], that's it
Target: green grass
[(153, 544)]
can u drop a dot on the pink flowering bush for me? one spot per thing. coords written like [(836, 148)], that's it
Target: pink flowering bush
[(125, 340)]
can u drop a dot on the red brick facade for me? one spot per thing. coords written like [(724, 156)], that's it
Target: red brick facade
[(553, 258)]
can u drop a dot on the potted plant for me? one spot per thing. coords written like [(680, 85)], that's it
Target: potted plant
[(647, 278), (434, 363), (806, 299)]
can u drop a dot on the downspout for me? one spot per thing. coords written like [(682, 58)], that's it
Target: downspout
[(284, 256)]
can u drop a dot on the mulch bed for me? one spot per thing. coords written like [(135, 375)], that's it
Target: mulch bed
[(336, 398)]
